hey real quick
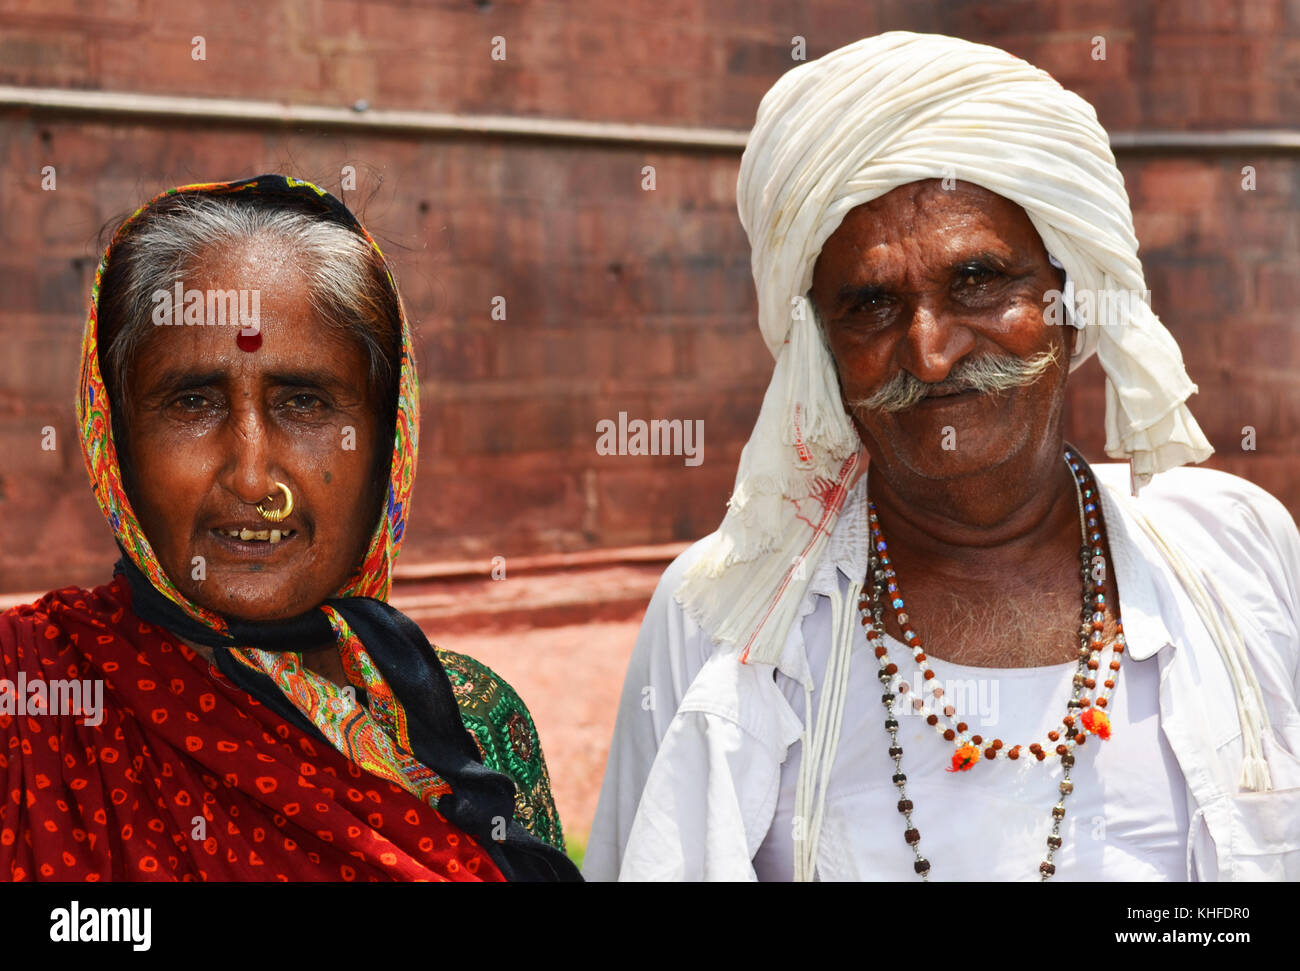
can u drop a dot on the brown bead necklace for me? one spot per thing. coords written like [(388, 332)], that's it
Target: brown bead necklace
[(1084, 715)]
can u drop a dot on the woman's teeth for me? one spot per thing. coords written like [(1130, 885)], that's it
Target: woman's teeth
[(265, 535)]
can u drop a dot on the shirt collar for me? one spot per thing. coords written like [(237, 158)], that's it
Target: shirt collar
[(846, 550), (1131, 557), (844, 560)]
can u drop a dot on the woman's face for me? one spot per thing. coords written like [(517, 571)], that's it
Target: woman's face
[(211, 428)]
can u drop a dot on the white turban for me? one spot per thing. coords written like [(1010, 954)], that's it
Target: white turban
[(838, 132)]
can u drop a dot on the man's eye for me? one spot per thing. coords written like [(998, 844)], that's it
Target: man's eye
[(872, 300), (974, 275), (306, 402)]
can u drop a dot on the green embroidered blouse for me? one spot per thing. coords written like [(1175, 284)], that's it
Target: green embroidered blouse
[(499, 722)]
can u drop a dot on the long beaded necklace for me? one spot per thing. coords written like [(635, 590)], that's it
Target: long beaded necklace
[(1084, 715)]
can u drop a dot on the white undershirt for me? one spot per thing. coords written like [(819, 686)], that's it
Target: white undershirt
[(1126, 819)]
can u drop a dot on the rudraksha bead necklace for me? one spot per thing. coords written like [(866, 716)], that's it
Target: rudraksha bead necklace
[(1083, 716)]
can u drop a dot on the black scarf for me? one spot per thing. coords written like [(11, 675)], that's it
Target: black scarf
[(479, 798)]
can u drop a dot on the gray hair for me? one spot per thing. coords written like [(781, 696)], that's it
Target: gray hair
[(347, 281)]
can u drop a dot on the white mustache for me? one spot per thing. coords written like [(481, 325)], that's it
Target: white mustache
[(989, 373)]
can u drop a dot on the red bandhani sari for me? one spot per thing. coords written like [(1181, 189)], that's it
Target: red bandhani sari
[(186, 777)]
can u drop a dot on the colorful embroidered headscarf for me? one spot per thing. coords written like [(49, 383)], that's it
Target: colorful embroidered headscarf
[(406, 728)]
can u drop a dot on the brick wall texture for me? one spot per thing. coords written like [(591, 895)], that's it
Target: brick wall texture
[(617, 299)]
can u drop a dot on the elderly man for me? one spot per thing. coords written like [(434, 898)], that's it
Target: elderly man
[(979, 658)]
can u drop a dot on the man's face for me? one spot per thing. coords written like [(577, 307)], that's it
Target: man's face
[(927, 281)]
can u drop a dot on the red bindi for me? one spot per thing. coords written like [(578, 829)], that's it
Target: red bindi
[(249, 342)]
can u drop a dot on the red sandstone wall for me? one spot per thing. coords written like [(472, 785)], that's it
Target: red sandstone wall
[(617, 299)]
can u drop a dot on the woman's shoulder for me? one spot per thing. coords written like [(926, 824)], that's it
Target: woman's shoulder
[(50, 622), (481, 693), (503, 728), (493, 712)]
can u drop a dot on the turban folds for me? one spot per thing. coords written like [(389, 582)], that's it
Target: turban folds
[(838, 132)]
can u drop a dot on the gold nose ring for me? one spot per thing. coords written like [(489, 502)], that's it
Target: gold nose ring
[(277, 515)]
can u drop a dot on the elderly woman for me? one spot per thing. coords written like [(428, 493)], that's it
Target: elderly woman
[(248, 412)]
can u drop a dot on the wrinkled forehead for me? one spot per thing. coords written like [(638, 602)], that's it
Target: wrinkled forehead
[(936, 219)]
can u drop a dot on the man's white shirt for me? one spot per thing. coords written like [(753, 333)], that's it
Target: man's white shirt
[(705, 756)]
